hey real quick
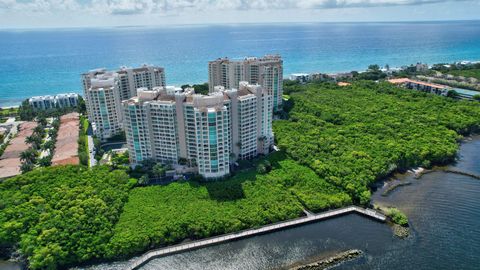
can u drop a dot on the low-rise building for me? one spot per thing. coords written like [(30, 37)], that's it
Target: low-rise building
[(434, 88), (56, 101), (300, 77), (437, 89)]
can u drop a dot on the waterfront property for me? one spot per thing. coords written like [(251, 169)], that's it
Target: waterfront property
[(300, 77), (105, 90), (57, 101), (434, 88), (266, 71), (208, 132)]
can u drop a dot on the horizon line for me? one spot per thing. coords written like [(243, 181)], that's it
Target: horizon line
[(193, 25)]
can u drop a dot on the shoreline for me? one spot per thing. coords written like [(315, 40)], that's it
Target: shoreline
[(332, 261), (169, 250)]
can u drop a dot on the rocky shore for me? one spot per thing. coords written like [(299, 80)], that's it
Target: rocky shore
[(400, 231), (329, 262), (392, 187), (446, 170)]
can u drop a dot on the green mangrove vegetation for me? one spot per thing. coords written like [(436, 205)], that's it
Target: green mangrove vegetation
[(397, 216), (160, 215), (62, 215), (351, 136)]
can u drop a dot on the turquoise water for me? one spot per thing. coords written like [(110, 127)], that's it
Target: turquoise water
[(50, 61)]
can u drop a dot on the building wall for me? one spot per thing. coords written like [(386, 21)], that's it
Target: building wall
[(118, 86), (266, 71), (212, 133), (204, 130), (137, 132), (104, 111), (57, 101), (163, 126)]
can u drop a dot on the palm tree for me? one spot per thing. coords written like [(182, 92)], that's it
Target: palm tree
[(34, 140), (42, 121), (26, 167), (158, 170), (45, 161), (28, 156), (39, 131)]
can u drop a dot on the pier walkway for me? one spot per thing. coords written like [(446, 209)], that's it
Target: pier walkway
[(251, 232)]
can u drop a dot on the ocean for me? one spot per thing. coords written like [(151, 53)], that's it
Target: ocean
[(40, 62)]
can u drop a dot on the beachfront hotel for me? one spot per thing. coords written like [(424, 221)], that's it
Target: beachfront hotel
[(208, 132), (57, 101), (266, 71), (105, 90)]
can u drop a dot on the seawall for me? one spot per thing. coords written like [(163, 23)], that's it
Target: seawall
[(142, 260)]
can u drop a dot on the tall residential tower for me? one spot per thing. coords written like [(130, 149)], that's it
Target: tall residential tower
[(207, 131), (266, 71), (104, 90)]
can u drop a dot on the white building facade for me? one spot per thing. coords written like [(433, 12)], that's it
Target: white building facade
[(104, 105), (209, 132), (57, 101), (105, 90), (266, 71)]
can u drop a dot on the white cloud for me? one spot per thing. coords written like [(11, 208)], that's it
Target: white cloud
[(128, 7)]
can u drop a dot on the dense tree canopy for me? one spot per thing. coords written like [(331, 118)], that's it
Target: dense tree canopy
[(353, 135), (61, 215), (159, 215)]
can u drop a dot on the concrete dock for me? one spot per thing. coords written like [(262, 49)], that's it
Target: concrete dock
[(251, 232)]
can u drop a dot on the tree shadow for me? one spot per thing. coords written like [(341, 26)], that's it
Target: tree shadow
[(226, 190)]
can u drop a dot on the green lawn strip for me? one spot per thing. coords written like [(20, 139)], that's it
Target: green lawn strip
[(469, 73)]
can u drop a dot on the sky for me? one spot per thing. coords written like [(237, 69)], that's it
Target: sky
[(107, 13)]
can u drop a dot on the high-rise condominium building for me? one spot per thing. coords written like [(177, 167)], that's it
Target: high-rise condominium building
[(266, 71), (104, 104), (130, 79), (207, 131), (122, 85)]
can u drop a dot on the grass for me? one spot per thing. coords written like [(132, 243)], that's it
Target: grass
[(469, 73), (8, 112)]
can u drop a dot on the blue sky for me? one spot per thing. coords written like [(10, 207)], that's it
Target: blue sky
[(87, 13)]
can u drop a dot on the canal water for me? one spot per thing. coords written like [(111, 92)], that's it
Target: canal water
[(444, 216)]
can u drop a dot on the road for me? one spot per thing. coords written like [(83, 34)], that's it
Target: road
[(91, 149), (13, 130)]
